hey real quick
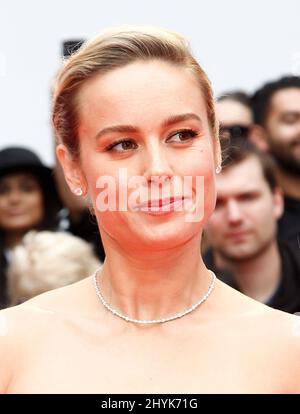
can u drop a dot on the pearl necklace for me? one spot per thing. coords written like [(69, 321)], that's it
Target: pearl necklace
[(176, 316)]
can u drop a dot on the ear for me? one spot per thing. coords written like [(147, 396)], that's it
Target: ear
[(258, 137), (72, 169), (278, 202)]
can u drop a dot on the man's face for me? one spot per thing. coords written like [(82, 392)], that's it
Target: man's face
[(244, 221), (230, 112), (283, 129), (235, 119)]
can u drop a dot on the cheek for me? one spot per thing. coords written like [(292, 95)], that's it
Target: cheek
[(35, 203), (104, 189), (3, 203), (198, 163), (205, 169), (282, 131), (262, 214), (286, 131), (216, 226), (36, 200), (2, 217)]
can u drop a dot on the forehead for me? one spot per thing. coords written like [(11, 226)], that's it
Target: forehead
[(141, 93), (230, 112), (243, 177), (17, 177), (287, 99)]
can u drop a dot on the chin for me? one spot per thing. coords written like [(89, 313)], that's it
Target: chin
[(159, 243), (149, 232), (241, 255), (167, 235), (19, 225)]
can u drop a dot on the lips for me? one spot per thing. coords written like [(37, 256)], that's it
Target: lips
[(162, 206), (16, 212), (237, 234), (160, 202)]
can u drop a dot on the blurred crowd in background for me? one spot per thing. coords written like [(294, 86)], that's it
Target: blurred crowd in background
[(49, 238)]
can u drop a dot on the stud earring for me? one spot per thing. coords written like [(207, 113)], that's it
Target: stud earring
[(218, 169), (78, 191)]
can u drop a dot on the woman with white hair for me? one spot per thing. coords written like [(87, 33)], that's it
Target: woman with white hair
[(48, 260), (134, 116)]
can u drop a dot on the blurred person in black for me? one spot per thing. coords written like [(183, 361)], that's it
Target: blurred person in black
[(242, 231), (28, 200), (76, 215), (277, 117)]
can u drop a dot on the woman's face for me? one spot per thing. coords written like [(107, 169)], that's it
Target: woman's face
[(21, 202), (164, 132)]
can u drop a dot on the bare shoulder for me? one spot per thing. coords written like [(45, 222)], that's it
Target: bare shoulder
[(15, 335), (272, 336), (23, 326), (286, 339), (265, 320), (77, 299), (277, 341), (5, 362), (72, 300), (282, 341), (65, 299)]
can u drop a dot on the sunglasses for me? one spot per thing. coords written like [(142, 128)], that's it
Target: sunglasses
[(234, 131)]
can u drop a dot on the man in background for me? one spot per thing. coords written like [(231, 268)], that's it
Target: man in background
[(234, 113), (276, 109), (242, 231)]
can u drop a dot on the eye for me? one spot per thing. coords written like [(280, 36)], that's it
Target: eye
[(29, 187), (220, 202), (290, 119), (4, 189), (248, 197), (183, 135), (121, 145)]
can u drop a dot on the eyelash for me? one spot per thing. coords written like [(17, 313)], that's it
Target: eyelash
[(193, 135)]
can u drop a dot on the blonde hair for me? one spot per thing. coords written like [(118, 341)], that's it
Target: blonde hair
[(112, 49), (47, 260)]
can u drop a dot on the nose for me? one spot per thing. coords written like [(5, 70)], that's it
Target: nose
[(234, 212), (15, 196), (157, 163)]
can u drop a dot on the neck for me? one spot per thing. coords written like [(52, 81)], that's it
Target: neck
[(153, 284), (257, 277), (13, 238), (290, 184)]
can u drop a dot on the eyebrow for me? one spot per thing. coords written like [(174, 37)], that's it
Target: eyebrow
[(174, 119), (241, 193), (291, 112), (21, 176)]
